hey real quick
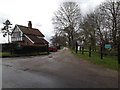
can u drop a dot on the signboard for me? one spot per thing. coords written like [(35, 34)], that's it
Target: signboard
[(107, 45)]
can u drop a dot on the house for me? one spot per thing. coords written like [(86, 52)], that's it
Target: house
[(28, 36)]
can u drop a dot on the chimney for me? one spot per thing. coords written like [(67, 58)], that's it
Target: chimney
[(29, 24)]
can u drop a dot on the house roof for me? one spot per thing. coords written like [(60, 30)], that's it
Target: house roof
[(29, 31), (33, 34), (37, 40)]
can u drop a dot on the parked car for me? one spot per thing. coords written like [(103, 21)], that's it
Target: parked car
[(52, 48)]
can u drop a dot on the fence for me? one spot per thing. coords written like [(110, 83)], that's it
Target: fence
[(14, 48), (30, 49), (8, 47), (100, 49)]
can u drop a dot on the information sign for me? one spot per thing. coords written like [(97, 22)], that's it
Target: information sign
[(107, 45)]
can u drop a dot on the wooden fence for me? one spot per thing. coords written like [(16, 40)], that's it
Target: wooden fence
[(101, 51)]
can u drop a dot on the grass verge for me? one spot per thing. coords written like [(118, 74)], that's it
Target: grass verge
[(107, 61)]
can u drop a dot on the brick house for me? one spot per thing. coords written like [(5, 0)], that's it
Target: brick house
[(28, 36)]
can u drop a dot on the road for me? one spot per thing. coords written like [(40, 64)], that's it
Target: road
[(60, 69)]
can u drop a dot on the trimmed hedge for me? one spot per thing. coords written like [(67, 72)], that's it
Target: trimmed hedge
[(8, 47), (15, 48), (30, 49)]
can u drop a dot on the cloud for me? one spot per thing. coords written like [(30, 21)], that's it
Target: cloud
[(40, 12), (38, 25), (3, 17)]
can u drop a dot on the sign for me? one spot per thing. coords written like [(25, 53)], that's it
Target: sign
[(107, 45)]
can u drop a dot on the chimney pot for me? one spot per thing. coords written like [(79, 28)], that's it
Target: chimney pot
[(29, 24)]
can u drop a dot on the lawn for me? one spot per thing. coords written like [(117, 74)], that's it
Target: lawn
[(107, 61)]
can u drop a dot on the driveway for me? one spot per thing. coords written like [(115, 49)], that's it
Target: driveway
[(60, 69)]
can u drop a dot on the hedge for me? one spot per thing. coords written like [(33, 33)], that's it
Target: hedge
[(30, 49), (8, 47), (14, 48)]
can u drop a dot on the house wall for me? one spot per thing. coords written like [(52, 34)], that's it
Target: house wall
[(26, 41), (16, 35)]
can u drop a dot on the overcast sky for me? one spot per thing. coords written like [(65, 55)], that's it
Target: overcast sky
[(40, 12)]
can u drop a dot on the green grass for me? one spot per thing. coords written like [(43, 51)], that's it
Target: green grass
[(8, 54), (107, 61)]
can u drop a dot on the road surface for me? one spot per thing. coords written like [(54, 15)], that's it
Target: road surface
[(60, 69)]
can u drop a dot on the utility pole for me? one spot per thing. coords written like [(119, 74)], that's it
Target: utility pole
[(6, 30)]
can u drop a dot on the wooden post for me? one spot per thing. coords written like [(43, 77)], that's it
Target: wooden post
[(118, 53), (90, 51), (76, 47), (101, 51), (82, 50), (47, 48)]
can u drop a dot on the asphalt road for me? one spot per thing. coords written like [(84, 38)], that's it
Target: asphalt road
[(60, 69)]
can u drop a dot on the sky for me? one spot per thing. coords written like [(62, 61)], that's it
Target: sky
[(40, 12)]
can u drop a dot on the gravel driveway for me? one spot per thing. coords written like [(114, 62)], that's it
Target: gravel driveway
[(60, 69)]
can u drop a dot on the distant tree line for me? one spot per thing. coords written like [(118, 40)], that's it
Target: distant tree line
[(98, 27)]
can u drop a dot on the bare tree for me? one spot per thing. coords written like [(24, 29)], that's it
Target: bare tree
[(89, 29), (67, 20), (111, 12), (103, 24)]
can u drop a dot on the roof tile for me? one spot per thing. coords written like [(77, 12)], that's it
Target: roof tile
[(37, 40), (32, 31)]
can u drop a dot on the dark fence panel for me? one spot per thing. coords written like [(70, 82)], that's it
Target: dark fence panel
[(15, 48), (30, 49), (8, 47)]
